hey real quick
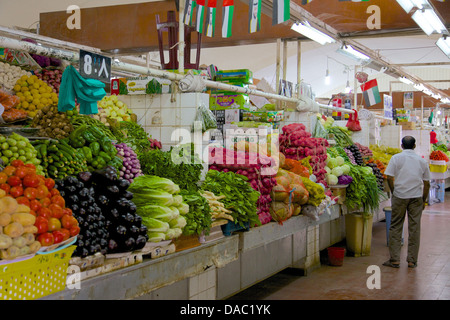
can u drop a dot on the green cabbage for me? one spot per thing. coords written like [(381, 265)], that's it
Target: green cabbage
[(155, 225), (173, 233), (179, 222), (145, 183), (177, 200), (332, 180), (332, 163), (340, 160), (345, 169), (337, 171), (183, 208), (328, 170)]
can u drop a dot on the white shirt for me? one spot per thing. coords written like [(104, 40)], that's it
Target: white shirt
[(409, 171)]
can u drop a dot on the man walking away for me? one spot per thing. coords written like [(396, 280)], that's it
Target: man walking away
[(408, 178)]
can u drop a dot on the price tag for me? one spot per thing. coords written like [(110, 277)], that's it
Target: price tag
[(95, 66)]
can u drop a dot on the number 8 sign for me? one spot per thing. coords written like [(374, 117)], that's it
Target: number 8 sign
[(95, 66)]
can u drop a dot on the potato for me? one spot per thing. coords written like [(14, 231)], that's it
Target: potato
[(8, 205), (2, 193), (21, 208), (24, 251), (5, 241), (25, 219), (10, 253), (29, 238), (35, 246), (30, 229), (19, 242), (5, 219), (13, 230)]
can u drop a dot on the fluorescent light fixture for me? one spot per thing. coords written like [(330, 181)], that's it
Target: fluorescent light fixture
[(436, 96), (444, 44), (419, 87), (428, 21), (445, 100), (349, 51), (312, 33), (408, 5), (405, 80)]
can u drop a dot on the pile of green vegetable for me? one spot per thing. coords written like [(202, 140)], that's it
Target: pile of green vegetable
[(198, 219), (185, 171), (341, 135), (59, 159), (159, 203), (133, 135), (240, 198)]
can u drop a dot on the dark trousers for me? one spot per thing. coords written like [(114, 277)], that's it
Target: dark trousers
[(414, 207)]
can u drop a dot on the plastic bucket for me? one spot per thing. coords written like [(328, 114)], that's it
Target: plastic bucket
[(336, 256)]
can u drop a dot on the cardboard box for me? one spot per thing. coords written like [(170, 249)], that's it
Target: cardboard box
[(407, 125), (264, 116), (140, 85), (229, 101)]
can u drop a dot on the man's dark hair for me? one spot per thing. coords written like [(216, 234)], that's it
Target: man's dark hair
[(408, 142)]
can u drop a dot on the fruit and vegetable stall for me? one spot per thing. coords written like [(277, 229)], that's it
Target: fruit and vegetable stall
[(100, 185)]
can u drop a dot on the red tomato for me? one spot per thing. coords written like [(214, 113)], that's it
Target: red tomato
[(23, 200), (58, 236), (74, 231), (66, 233), (3, 177), (68, 221), (59, 201), (16, 192), (14, 181), (45, 202), (46, 239), (6, 187), (17, 163), (67, 211), (21, 172), (31, 167), (9, 170), (30, 193), (41, 192), (57, 210), (41, 224), (45, 212), (49, 183), (31, 180), (35, 205), (54, 192)]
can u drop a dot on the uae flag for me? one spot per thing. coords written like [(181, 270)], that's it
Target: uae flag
[(199, 19), (189, 12), (281, 11), (254, 15), (227, 18), (371, 94), (210, 25)]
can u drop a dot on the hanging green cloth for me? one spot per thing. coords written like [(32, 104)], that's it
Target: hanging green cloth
[(87, 92)]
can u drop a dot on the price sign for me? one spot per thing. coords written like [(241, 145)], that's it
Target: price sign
[(95, 66)]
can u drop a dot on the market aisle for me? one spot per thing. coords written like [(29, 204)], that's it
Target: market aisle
[(429, 281)]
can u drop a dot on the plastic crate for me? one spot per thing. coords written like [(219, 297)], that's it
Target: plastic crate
[(42, 275), (231, 227)]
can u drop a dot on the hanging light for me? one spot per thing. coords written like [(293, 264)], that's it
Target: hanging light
[(405, 80), (428, 21), (347, 87), (408, 5)]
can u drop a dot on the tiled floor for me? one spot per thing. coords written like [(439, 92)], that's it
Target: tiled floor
[(429, 281)]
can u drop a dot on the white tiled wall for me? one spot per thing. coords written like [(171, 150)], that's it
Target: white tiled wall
[(175, 111), (203, 286)]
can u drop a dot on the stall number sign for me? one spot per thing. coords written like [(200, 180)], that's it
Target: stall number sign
[(95, 66)]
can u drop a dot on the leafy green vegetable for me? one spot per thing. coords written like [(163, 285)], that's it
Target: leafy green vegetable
[(363, 191), (185, 172), (155, 225), (157, 197), (156, 236), (198, 219), (146, 182), (240, 197), (133, 135), (162, 213)]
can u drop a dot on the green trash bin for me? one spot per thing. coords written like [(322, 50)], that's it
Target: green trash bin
[(358, 233)]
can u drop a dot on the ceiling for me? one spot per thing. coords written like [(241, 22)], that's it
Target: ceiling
[(129, 28)]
